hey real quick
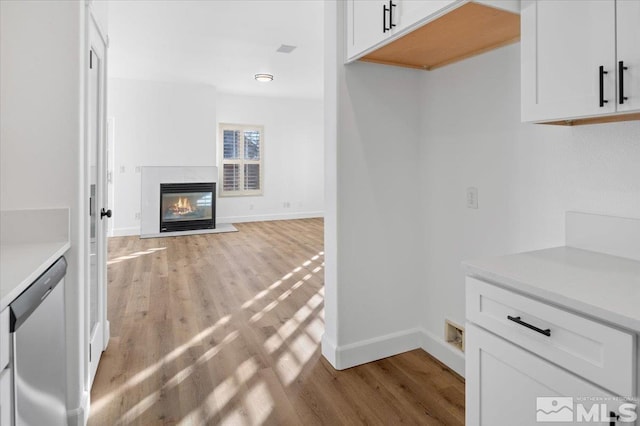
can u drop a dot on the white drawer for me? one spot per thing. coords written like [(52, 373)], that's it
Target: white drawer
[(4, 338), (599, 353)]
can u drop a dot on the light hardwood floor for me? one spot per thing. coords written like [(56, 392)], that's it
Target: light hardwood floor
[(226, 329)]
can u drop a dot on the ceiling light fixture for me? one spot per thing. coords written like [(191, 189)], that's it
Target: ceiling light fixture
[(263, 77)]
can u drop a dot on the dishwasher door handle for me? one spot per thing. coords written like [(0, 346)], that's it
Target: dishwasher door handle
[(44, 296), (24, 305)]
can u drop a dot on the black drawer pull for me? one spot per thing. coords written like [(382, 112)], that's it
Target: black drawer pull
[(613, 417), (546, 332)]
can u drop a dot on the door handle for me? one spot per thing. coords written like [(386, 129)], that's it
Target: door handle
[(104, 213)]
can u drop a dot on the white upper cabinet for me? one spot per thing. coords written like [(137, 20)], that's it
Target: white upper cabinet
[(628, 37), (370, 23), (413, 11), (427, 34), (570, 69)]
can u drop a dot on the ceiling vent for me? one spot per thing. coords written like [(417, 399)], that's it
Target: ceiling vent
[(285, 48)]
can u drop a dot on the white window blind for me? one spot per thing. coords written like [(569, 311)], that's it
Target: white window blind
[(241, 159)]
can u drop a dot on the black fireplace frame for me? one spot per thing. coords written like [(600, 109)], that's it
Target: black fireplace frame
[(188, 225)]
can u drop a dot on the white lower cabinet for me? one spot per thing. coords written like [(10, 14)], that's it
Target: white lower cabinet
[(507, 385), (522, 374)]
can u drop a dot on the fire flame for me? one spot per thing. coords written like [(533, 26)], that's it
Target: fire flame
[(182, 207)]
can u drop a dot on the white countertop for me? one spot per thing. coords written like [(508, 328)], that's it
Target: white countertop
[(599, 285), (30, 242), (21, 264)]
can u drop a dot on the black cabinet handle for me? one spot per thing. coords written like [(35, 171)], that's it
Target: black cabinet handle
[(384, 18), (621, 70), (391, 6), (602, 99), (104, 213), (546, 332), (386, 9)]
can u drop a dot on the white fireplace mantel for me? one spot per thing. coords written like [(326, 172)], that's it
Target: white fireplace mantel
[(152, 177)]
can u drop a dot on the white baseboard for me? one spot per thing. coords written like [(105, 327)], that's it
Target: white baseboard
[(377, 348), (329, 350), (268, 217), (443, 351), (125, 232), (347, 356), (80, 415)]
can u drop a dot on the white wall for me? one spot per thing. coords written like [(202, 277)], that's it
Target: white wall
[(156, 124), (527, 176), (372, 234), (394, 249), (293, 157), (41, 139), (175, 124)]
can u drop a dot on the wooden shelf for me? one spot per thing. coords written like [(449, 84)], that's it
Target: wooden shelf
[(596, 120), (467, 31)]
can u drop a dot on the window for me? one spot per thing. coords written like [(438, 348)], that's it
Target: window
[(241, 159)]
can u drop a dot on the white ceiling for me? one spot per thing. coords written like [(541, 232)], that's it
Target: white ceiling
[(220, 42)]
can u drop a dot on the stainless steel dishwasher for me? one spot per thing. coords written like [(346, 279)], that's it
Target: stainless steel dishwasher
[(39, 350)]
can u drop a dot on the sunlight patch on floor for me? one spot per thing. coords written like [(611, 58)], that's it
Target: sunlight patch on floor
[(298, 338), (260, 314), (138, 409), (142, 375), (135, 411), (135, 255), (303, 341), (279, 282), (259, 402)]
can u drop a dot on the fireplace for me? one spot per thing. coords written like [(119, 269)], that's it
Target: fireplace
[(187, 206)]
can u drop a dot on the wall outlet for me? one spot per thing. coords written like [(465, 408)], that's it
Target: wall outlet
[(250, 206), (286, 204), (138, 216), (123, 169), (472, 197), (454, 334), (138, 169)]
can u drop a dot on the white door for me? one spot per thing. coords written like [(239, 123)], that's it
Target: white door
[(98, 211), (110, 168), (564, 44), (628, 38), (504, 382)]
